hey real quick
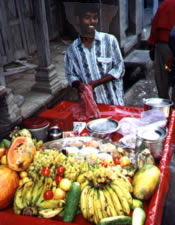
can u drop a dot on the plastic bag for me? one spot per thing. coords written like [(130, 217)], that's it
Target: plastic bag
[(130, 125)]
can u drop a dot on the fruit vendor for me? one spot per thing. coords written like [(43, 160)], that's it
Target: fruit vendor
[(95, 58)]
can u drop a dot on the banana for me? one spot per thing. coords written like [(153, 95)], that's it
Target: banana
[(122, 185), (51, 204), (84, 201), (116, 201), (97, 204), (91, 205), (103, 203), (37, 189), (26, 191), (47, 186), (96, 213), (81, 178), (28, 196), (18, 198), (125, 179), (50, 213), (110, 207), (84, 184), (124, 202), (16, 210)]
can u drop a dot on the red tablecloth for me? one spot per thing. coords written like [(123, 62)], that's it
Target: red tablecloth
[(154, 209)]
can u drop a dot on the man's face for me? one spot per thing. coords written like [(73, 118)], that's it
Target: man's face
[(88, 23)]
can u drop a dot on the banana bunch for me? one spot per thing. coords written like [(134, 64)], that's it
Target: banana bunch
[(112, 199), (29, 199)]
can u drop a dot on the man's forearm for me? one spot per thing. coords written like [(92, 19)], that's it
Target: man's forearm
[(103, 80)]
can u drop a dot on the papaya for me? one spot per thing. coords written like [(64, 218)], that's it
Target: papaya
[(20, 153), (145, 181)]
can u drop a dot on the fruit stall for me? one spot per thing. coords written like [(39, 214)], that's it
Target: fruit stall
[(82, 179)]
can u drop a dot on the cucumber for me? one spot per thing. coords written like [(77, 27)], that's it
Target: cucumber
[(138, 217), (136, 203), (114, 220), (6, 143), (72, 202)]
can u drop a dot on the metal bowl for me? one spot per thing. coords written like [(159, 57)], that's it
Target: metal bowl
[(102, 127), (162, 104)]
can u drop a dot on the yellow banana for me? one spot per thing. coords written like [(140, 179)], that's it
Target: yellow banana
[(81, 178), (103, 204), (109, 203), (124, 202), (122, 185), (51, 204), (84, 201), (84, 184), (91, 205), (116, 201), (50, 213), (96, 213), (125, 179), (28, 195)]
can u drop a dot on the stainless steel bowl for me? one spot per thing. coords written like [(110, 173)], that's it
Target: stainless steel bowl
[(162, 104), (102, 127)]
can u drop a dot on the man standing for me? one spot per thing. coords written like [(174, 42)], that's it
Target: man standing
[(163, 22), (94, 58)]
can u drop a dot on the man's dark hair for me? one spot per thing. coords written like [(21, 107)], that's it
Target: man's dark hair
[(82, 7)]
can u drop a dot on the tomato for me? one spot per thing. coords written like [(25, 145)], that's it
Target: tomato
[(45, 171), (104, 164), (116, 160), (65, 184), (59, 194), (58, 179), (60, 170), (48, 195)]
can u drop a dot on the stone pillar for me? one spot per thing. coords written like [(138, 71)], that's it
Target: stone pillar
[(10, 114), (135, 16), (46, 76), (116, 26)]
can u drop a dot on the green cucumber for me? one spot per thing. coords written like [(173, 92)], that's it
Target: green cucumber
[(138, 217), (6, 143), (136, 203), (114, 220), (72, 202)]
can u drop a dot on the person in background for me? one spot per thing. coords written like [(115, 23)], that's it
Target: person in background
[(162, 24), (171, 43), (95, 58)]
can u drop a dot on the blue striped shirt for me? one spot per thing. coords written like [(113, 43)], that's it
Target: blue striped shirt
[(104, 57)]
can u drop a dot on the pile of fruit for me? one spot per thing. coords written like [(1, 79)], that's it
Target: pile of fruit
[(48, 183)]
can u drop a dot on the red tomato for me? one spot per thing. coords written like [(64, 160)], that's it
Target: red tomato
[(116, 160), (48, 195), (58, 179), (45, 171), (60, 170), (104, 164)]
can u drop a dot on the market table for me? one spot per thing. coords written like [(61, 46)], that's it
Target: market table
[(153, 208)]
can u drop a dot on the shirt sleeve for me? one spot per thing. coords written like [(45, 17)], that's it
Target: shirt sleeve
[(118, 68), (69, 68)]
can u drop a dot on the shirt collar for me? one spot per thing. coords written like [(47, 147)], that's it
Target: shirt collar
[(96, 38)]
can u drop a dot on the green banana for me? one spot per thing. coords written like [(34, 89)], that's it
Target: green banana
[(47, 186), (26, 190), (18, 198), (37, 189)]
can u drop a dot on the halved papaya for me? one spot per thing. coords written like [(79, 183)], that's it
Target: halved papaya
[(20, 153)]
